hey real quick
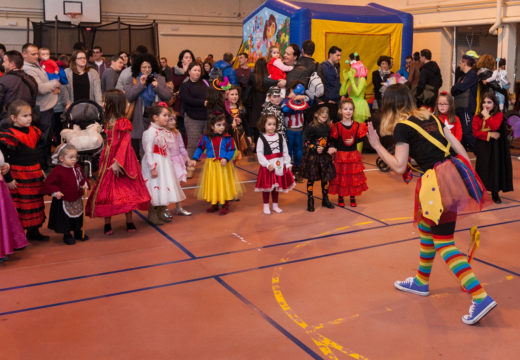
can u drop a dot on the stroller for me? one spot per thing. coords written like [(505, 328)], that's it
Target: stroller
[(83, 125)]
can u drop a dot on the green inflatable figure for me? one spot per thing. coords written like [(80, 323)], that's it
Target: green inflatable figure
[(355, 84)]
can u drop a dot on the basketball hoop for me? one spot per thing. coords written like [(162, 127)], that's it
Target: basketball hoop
[(75, 17)]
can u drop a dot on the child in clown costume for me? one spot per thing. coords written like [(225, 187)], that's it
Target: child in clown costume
[(355, 84)]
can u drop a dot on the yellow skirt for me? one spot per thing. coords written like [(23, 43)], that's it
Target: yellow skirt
[(219, 183)]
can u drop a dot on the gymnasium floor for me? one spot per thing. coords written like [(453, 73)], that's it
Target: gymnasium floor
[(295, 285)]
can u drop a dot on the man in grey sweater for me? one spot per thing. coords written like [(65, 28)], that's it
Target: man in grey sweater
[(110, 75), (47, 98)]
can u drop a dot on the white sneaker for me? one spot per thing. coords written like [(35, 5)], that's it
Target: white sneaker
[(276, 209), (266, 209)]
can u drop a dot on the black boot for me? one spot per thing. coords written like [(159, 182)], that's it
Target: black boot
[(310, 202), (325, 193), (33, 233), (310, 198), (496, 198)]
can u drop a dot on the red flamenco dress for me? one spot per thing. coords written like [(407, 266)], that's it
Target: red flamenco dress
[(112, 195), (350, 179), (20, 147)]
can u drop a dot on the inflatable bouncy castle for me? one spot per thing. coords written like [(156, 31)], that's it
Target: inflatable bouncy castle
[(370, 31)]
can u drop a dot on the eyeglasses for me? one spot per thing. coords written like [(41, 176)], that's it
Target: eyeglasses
[(81, 58)]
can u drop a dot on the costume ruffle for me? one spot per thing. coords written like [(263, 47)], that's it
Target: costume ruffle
[(460, 188), (350, 178), (268, 180)]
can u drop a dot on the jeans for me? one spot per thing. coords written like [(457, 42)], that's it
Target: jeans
[(295, 144)]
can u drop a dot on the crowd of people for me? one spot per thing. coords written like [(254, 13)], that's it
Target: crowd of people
[(293, 115)]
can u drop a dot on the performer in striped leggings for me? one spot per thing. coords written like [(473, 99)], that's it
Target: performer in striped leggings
[(448, 186), (25, 177)]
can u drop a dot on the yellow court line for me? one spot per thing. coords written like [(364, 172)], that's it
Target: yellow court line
[(364, 223), (342, 228), (399, 218), (327, 346)]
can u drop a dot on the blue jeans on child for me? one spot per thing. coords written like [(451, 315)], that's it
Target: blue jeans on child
[(295, 145)]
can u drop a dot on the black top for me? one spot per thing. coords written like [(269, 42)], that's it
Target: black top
[(421, 150), (313, 134), (193, 95), (430, 75), (81, 86)]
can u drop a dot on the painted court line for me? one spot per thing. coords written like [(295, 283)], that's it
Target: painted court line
[(255, 269), (192, 257), (268, 319)]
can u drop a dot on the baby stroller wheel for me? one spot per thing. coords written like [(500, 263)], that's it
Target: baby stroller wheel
[(381, 165)]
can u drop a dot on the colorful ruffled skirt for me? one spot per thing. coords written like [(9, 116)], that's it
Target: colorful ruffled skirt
[(459, 187), (350, 179), (219, 183)]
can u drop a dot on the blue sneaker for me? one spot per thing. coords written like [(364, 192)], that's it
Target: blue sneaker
[(478, 310), (409, 285)]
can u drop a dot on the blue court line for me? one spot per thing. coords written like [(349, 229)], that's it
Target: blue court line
[(218, 254), (258, 268), (503, 197), (269, 319), (161, 231), (316, 197)]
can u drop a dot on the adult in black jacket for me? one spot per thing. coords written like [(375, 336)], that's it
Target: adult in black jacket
[(465, 93), (379, 76), (15, 84), (430, 81), (193, 93)]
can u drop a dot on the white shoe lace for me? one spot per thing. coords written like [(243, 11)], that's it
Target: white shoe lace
[(407, 281), (471, 309)]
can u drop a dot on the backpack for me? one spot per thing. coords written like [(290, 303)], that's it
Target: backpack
[(215, 73), (315, 88)]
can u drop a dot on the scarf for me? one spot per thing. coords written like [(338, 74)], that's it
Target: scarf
[(384, 73), (148, 95)]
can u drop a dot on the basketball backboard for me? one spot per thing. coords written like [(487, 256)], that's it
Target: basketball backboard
[(86, 11)]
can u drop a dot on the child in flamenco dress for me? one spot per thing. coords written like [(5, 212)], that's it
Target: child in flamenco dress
[(158, 171), (350, 179), (67, 184), (355, 85), (19, 143), (317, 164), (12, 236), (219, 182), (275, 174), (120, 187)]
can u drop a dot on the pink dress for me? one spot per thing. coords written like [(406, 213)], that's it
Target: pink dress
[(12, 235), (178, 155)]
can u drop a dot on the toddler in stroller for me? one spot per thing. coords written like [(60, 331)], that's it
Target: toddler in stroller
[(82, 124)]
